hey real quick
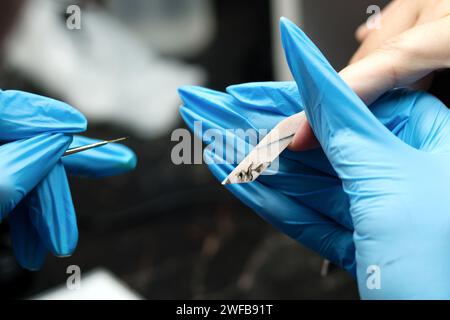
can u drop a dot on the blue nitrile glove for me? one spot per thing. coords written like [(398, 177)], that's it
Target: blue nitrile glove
[(398, 196), (293, 199), (305, 198), (34, 133), (307, 205)]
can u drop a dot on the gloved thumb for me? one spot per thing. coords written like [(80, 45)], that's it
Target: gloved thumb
[(348, 132)]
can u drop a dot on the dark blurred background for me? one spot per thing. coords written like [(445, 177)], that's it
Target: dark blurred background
[(166, 231)]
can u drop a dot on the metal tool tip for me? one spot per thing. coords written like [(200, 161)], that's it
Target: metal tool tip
[(226, 181), (118, 139), (91, 146)]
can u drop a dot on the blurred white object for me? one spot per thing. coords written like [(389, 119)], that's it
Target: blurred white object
[(293, 10), (102, 69), (98, 284), (176, 27)]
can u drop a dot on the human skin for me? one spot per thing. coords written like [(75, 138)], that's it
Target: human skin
[(412, 43)]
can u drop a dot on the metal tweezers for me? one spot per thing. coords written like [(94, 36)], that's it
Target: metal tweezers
[(91, 146), (265, 152)]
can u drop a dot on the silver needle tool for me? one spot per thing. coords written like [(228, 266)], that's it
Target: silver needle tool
[(265, 152), (91, 146)]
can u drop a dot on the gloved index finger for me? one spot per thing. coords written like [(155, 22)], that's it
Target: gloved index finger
[(24, 115), (24, 163), (270, 97)]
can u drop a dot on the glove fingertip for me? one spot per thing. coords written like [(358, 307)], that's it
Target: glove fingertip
[(6, 194), (66, 249), (109, 160), (188, 93), (28, 248)]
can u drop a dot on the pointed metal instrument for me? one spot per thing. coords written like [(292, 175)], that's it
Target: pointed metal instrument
[(91, 146), (265, 152)]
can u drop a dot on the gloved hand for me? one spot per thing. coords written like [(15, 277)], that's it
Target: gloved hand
[(305, 198), (405, 52), (34, 193), (397, 191)]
